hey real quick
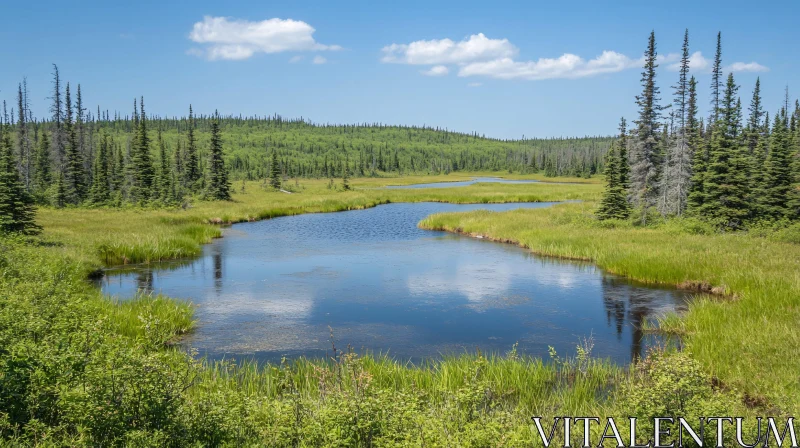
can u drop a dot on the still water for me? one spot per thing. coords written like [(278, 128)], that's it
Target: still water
[(279, 287)]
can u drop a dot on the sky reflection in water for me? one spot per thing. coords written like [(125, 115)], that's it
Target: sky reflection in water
[(273, 288)]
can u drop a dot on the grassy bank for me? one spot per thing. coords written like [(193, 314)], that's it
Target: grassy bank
[(748, 339), (78, 369), (112, 236)]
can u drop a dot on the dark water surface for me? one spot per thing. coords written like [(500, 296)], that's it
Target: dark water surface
[(273, 288)]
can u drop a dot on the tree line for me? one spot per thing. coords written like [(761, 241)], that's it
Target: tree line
[(71, 159), (725, 169)]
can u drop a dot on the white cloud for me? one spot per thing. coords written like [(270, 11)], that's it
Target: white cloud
[(746, 67), (437, 52), (700, 64), (474, 84), (240, 39), (566, 66), (319, 60), (697, 62), (295, 59), (436, 70)]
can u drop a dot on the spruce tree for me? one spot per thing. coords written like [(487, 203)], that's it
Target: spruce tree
[(716, 81), (141, 168), (275, 171), (726, 183), (753, 129), (191, 166), (217, 186), (778, 178), (60, 192), (42, 175), (57, 119), (697, 149), (646, 155), (74, 175), (624, 168), (100, 191), (346, 173), (17, 214), (614, 204), (677, 167), (163, 183)]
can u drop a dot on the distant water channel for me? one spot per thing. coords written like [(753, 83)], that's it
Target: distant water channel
[(278, 287), (464, 183)]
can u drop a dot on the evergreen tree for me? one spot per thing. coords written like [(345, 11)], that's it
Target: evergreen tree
[(100, 191), (275, 171), (191, 166), (753, 129), (793, 203), (346, 174), (614, 204), (726, 182), (697, 149), (778, 178), (677, 168), (42, 174), (646, 161), (60, 193), (74, 175), (58, 152), (624, 168), (218, 188), (716, 81), (141, 168), (163, 183), (17, 214)]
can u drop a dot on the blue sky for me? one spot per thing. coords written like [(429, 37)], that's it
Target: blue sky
[(503, 69)]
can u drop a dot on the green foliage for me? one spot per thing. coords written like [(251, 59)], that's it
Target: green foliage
[(140, 169), (614, 204), (275, 171), (725, 183), (778, 181), (218, 187), (16, 205)]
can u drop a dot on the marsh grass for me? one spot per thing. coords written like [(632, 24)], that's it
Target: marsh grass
[(148, 313)]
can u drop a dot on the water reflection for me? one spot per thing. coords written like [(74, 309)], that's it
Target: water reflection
[(273, 288)]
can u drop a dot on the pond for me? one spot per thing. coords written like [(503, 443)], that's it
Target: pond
[(378, 283)]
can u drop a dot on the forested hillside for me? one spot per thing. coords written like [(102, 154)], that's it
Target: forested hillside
[(76, 156)]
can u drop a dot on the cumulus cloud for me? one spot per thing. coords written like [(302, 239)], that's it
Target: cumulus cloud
[(746, 67), (445, 51), (295, 59), (697, 62), (700, 64), (319, 60), (436, 70), (566, 66), (234, 39)]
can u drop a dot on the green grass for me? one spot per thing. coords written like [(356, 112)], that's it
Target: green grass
[(123, 236), (748, 339), (77, 368)]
